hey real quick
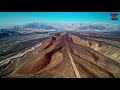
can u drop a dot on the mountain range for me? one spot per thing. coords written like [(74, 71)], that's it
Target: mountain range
[(41, 27)]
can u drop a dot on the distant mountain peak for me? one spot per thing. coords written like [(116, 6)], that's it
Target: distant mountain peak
[(38, 26)]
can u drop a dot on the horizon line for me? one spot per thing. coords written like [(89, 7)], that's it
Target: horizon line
[(65, 22)]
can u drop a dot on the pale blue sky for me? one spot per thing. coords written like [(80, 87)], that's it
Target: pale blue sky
[(82, 17)]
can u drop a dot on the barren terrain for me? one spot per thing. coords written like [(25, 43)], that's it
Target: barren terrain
[(66, 55)]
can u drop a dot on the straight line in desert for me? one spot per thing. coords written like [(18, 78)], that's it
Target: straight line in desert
[(73, 63)]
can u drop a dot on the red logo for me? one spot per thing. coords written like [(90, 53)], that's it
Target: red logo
[(114, 17)]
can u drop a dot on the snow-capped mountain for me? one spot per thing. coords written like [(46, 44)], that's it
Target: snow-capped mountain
[(102, 27), (85, 26), (29, 28), (43, 27), (38, 26), (34, 26)]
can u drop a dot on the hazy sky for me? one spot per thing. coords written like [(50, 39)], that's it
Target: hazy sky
[(82, 17)]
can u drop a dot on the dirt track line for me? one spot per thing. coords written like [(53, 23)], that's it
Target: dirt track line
[(73, 63)]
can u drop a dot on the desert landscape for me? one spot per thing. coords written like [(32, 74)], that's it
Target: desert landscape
[(67, 55), (59, 45)]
